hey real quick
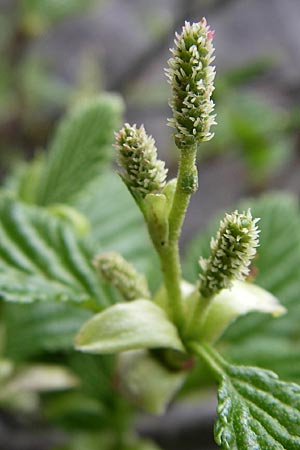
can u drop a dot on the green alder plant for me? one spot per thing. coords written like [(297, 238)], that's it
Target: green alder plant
[(159, 339), (57, 213)]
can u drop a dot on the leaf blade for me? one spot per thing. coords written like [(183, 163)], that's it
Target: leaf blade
[(255, 408), (136, 325), (33, 328), (235, 302), (41, 258), (118, 225), (80, 150), (265, 412)]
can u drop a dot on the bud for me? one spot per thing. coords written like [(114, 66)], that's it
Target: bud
[(231, 253), (122, 275), (137, 155), (192, 79)]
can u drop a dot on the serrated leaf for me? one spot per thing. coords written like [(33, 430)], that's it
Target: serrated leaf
[(80, 150), (106, 203), (128, 326), (42, 259), (277, 353), (33, 328), (278, 262), (256, 410), (118, 225), (23, 181)]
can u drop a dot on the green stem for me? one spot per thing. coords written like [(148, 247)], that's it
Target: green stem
[(212, 359), (197, 317), (187, 183), (171, 269), (169, 254)]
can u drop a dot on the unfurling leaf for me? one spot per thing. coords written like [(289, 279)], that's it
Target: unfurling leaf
[(128, 326), (145, 381), (239, 300)]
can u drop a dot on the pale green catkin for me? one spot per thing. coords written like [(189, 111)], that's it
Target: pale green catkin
[(191, 76), (231, 253), (137, 155), (122, 275)]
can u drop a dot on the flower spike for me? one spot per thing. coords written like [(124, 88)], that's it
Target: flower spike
[(231, 253), (191, 76), (122, 275), (137, 155)]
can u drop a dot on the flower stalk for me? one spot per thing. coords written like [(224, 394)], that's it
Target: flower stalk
[(191, 77)]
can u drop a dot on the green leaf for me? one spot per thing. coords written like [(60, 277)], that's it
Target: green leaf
[(106, 203), (93, 403), (256, 410), (278, 268), (23, 181), (146, 382), (128, 326), (118, 225), (41, 258), (20, 384), (239, 300), (39, 378), (278, 353), (33, 328), (80, 150)]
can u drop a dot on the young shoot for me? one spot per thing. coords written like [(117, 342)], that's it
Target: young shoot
[(182, 323)]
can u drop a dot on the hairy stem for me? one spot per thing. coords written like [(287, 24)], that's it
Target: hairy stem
[(186, 186), (169, 254)]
